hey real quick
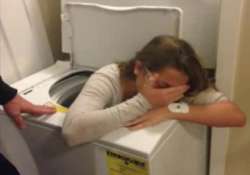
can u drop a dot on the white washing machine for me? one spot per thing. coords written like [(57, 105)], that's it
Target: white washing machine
[(97, 35)]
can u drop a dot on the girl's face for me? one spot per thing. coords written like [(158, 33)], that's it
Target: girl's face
[(167, 77)]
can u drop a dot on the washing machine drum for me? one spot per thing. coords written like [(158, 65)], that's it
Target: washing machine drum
[(65, 91)]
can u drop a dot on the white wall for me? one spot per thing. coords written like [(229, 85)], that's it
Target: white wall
[(24, 47), (238, 154), (50, 10), (230, 147)]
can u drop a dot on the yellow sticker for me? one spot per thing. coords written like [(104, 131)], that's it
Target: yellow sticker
[(118, 164), (59, 108)]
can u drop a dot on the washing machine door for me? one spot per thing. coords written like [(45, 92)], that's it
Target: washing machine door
[(98, 35), (14, 147)]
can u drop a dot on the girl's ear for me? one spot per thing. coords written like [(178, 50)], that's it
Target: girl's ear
[(138, 67)]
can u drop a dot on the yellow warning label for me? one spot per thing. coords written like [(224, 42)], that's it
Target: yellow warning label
[(118, 164), (59, 108)]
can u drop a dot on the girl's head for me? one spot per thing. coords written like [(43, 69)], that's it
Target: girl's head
[(173, 62)]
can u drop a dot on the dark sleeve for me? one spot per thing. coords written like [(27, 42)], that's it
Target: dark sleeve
[(6, 92), (7, 167)]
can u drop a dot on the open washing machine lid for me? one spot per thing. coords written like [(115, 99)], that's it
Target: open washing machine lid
[(96, 35)]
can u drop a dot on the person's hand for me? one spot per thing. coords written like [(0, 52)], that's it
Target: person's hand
[(19, 105), (159, 97), (150, 118), (162, 97), (157, 94)]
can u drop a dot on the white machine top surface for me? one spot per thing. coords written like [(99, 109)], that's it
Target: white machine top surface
[(143, 141), (100, 35)]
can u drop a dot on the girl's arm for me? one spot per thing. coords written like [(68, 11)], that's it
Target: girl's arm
[(89, 117), (219, 114)]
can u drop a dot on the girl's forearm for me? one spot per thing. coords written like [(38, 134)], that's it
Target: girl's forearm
[(221, 114)]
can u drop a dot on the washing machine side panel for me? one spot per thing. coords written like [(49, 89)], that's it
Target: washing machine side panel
[(184, 152), (100, 165), (53, 156), (111, 160)]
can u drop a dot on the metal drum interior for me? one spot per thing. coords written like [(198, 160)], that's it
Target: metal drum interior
[(65, 91)]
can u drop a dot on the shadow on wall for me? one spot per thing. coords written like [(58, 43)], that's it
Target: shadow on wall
[(51, 17)]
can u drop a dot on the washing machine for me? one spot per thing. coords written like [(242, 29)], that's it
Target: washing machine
[(96, 35)]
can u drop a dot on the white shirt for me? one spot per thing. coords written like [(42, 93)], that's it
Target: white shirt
[(99, 108)]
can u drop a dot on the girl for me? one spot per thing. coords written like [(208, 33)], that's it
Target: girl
[(164, 81)]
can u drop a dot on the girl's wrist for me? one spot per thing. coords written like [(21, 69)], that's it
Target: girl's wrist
[(180, 107)]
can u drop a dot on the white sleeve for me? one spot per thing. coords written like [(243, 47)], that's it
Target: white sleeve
[(87, 119), (209, 96)]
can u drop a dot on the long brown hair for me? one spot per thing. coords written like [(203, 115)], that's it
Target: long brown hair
[(167, 51)]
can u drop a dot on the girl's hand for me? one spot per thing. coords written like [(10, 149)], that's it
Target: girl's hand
[(159, 97), (155, 92), (150, 118)]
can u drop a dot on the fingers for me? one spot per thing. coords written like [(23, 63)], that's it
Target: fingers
[(162, 96), (18, 119), (177, 89), (151, 118), (175, 98), (136, 121), (139, 124), (13, 110), (136, 127), (40, 110), (151, 80), (175, 93)]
